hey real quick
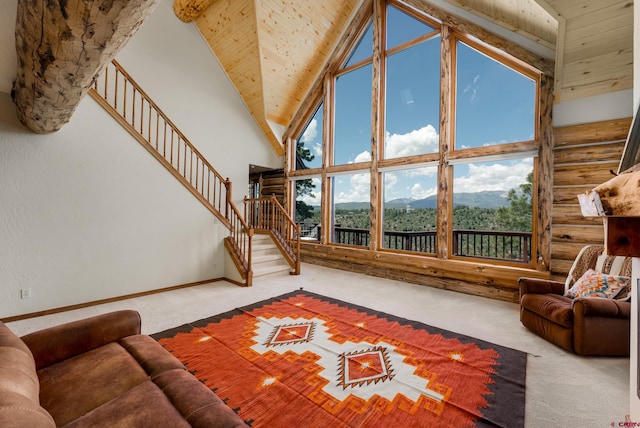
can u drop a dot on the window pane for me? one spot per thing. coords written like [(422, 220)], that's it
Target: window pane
[(307, 211), (352, 139), (413, 101), (492, 210), (410, 205), (402, 28), (494, 104), (351, 208), (309, 144), (364, 48)]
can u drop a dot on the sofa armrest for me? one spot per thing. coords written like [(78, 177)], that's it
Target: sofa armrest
[(55, 344), (601, 307), (539, 286)]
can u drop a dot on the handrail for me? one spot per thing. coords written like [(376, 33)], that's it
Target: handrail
[(123, 98), (267, 215), (120, 95)]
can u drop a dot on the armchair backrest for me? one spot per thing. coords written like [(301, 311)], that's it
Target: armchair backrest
[(593, 257)]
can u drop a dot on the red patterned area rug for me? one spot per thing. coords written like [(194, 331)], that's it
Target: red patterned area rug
[(305, 360)]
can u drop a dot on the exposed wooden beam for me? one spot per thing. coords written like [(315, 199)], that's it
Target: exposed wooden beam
[(62, 46), (188, 10)]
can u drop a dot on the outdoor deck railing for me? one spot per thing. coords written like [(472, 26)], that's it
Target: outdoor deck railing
[(495, 245)]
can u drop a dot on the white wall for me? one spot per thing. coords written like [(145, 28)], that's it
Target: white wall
[(614, 105), (86, 213), (173, 64)]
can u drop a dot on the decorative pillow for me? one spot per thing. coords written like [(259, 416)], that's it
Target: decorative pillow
[(597, 284)]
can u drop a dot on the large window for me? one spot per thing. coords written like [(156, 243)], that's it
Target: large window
[(444, 125), (493, 210), (309, 144), (495, 104), (410, 209), (351, 209), (308, 204)]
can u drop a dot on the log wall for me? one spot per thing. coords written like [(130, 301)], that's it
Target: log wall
[(583, 158), (470, 277)]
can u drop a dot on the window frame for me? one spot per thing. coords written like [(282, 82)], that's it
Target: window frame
[(450, 33)]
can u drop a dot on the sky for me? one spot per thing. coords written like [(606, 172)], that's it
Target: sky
[(494, 105)]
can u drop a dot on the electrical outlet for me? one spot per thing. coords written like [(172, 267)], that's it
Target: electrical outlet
[(25, 293)]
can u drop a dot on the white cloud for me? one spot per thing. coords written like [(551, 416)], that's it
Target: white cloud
[(390, 181), (357, 191), (310, 133), (493, 176), (427, 171), (418, 141), (473, 88), (418, 192), (315, 199), (362, 157)]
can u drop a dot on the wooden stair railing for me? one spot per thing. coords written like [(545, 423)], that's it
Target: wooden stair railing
[(117, 92), (267, 215)]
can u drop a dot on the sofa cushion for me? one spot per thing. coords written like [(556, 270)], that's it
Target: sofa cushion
[(153, 358), (145, 405), (19, 389), (197, 403), (73, 387), (552, 307)]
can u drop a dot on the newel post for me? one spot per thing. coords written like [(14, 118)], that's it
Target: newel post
[(227, 185)]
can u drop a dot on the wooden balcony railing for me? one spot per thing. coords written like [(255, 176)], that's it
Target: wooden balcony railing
[(509, 246), (494, 245), (117, 92), (267, 215)]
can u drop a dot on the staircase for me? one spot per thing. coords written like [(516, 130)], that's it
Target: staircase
[(266, 258), (117, 92)]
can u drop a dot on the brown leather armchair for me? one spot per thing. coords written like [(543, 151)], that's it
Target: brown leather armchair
[(585, 325)]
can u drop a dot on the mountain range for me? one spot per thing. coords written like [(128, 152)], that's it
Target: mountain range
[(487, 199)]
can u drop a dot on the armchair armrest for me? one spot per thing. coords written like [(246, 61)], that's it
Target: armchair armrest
[(539, 286), (601, 307), (55, 344)]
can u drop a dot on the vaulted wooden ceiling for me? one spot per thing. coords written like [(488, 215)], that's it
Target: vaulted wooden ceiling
[(274, 50)]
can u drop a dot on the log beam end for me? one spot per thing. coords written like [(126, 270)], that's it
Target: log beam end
[(188, 10)]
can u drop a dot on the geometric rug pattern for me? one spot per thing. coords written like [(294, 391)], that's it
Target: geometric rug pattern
[(305, 360)]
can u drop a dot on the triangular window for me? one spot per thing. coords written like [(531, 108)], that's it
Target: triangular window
[(402, 28), (364, 48)]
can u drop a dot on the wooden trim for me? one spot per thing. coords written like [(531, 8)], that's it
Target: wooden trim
[(305, 173), (347, 168), (103, 301), (377, 123), (497, 150), (544, 175), (470, 277), (446, 130)]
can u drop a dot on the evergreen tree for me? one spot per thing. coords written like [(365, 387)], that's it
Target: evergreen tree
[(303, 187), (518, 216)]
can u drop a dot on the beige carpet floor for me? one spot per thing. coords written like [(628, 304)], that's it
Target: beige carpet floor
[(563, 390)]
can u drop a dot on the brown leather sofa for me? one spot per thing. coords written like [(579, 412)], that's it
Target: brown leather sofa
[(101, 372), (586, 325)]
